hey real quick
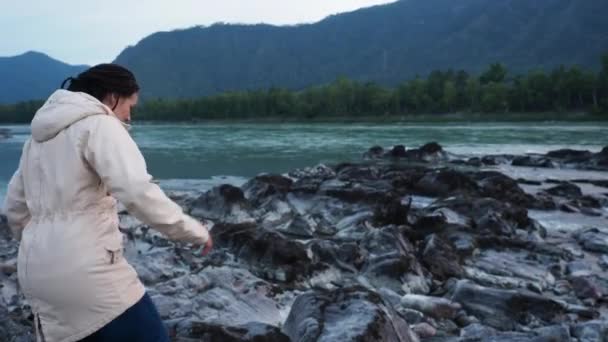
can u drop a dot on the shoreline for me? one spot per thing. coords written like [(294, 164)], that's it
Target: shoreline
[(443, 118), (416, 118)]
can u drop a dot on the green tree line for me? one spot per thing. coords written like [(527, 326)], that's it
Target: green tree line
[(564, 89)]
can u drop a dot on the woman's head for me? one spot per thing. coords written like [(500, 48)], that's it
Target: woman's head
[(113, 85)]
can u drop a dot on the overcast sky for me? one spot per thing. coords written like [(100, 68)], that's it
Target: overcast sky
[(91, 32)]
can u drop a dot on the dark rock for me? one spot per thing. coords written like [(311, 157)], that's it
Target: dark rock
[(530, 161), (475, 161), (374, 152), (431, 148), (464, 243), (388, 270), (436, 307), (427, 225), (440, 257), (307, 185), (251, 332), (398, 151), (529, 182), (348, 314), (567, 190), (600, 183), (391, 211), (300, 226), (391, 259), (370, 192), (591, 201), (403, 177), (478, 210), (544, 201), (587, 288), (346, 256), (568, 208), (271, 255), (592, 239), (499, 186), (354, 173), (570, 155), (505, 309), (444, 182), (225, 203), (489, 160), (261, 187), (493, 223)]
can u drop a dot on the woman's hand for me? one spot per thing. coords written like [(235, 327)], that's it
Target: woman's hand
[(208, 246)]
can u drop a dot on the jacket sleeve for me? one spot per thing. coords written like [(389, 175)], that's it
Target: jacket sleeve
[(15, 206), (113, 154)]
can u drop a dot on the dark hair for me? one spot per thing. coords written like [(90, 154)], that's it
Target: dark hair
[(104, 79)]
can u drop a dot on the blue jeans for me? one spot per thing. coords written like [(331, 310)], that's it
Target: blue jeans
[(140, 323)]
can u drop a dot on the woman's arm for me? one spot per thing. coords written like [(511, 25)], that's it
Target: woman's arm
[(113, 154)]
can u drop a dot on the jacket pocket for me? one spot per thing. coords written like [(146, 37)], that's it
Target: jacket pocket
[(113, 251)]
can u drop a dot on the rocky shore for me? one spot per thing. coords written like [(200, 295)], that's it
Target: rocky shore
[(406, 245)]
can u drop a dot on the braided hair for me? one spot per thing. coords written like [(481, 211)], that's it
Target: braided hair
[(102, 80)]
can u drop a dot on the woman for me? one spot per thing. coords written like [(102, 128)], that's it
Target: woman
[(61, 205)]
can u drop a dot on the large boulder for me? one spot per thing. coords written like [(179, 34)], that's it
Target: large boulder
[(499, 186), (567, 190), (224, 203), (532, 161), (259, 189), (270, 254), (441, 258), (592, 240), (442, 183), (507, 309), (347, 314), (569, 155)]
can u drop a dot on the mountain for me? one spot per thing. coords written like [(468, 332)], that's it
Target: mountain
[(386, 44), (32, 75)]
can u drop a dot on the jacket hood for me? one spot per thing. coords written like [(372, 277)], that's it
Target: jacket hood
[(63, 109)]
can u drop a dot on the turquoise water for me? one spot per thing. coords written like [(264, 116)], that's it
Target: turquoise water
[(206, 152)]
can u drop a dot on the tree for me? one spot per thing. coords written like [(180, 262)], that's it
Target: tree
[(450, 95), (496, 73), (473, 92), (539, 91), (494, 98), (518, 94)]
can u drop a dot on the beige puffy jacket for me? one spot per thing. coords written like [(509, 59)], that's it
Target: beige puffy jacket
[(61, 204)]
